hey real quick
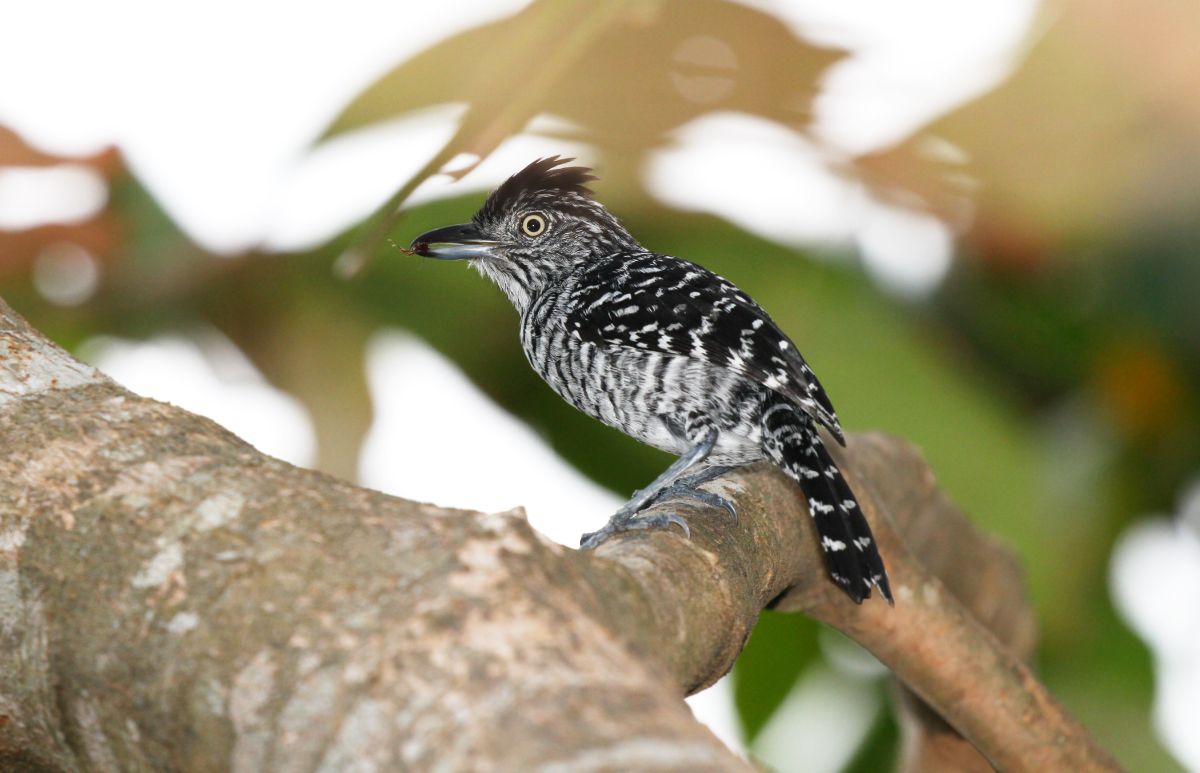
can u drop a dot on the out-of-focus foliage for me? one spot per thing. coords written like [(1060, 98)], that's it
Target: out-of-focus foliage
[(1051, 381), (99, 235), (590, 68)]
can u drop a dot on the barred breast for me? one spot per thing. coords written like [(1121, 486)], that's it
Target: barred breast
[(647, 395)]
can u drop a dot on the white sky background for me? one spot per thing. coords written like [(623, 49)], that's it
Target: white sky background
[(215, 106)]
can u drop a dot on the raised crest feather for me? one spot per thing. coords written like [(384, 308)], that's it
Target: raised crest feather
[(546, 175)]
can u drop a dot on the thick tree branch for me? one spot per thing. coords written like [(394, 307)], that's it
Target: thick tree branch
[(172, 599)]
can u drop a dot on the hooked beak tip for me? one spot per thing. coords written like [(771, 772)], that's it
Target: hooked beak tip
[(455, 242)]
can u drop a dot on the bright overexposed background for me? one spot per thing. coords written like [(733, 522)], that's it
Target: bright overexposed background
[(217, 110)]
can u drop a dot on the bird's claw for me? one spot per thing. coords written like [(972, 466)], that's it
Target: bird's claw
[(634, 523), (660, 520), (627, 519), (689, 491)]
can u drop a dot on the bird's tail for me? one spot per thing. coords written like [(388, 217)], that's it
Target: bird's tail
[(791, 441)]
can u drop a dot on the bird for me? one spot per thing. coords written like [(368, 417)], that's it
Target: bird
[(663, 350)]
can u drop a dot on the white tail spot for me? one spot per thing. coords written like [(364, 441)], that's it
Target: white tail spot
[(833, 545)]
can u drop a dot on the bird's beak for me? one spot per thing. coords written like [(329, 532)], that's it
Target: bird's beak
[(454, 242)]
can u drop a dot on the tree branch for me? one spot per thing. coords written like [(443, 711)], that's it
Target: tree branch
[(172, 599)]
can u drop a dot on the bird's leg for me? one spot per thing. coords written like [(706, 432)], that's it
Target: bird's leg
[(689, 488), (625, 519)]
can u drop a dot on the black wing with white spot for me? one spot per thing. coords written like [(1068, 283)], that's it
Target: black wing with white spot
[(662, 304)]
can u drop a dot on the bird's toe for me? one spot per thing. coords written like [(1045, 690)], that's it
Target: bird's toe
[(619, 524), (660, 520), (688, 491)]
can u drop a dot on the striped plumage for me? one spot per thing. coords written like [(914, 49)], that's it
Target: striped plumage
[(662, 349)]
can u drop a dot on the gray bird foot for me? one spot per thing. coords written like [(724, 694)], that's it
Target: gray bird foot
[(620, 522), (688, 488), (685, 488)]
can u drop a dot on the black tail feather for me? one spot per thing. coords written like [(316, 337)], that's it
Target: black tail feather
[(791, 441), (864, 540)]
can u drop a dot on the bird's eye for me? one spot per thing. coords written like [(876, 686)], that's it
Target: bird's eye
[(533, 225)]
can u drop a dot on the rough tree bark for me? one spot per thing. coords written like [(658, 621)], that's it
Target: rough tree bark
[(171, 599)]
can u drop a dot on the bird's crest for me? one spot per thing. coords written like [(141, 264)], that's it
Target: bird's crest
[(546, 175)]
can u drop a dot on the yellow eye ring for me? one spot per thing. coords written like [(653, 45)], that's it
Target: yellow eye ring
[(533, 225)]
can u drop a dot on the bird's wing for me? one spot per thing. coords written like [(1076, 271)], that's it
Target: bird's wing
[(661, 304)]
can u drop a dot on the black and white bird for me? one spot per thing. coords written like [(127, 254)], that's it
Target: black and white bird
[(665, 351)]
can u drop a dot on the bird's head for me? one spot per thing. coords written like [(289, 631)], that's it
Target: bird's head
[(540, 223)]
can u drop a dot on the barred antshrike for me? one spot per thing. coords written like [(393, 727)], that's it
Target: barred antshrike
[(665, 351)]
